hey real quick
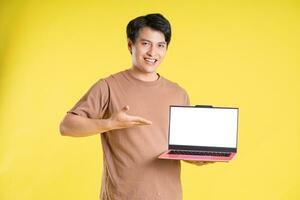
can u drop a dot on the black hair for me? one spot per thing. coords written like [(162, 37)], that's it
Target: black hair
[(155, 21)]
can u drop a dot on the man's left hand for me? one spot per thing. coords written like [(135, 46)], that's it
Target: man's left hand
[(198, 163)]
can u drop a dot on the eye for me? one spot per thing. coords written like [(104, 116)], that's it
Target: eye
[(161, 45), (145, 43)]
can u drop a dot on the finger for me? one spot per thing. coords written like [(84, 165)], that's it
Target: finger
[(198, 163), (140, 123), (203, 163), (132, 124), (141, 120), (125, 108), (136, 123), (208, 162)]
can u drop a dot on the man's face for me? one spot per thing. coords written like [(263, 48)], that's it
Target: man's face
[(148, 51)]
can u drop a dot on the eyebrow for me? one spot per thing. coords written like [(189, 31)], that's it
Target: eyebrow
[(152, 42)]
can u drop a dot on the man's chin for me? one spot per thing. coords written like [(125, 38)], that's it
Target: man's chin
[(148, 69)]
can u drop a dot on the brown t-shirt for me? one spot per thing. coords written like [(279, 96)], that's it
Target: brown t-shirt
[(131, 166)]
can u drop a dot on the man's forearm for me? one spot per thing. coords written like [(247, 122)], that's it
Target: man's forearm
[(78, 126)]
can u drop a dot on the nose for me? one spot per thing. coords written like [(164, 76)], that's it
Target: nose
[(151, 51)]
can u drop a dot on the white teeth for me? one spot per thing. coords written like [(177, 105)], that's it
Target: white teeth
[(150, 60)]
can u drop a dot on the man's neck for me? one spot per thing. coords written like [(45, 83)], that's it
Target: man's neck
[(153, 76)]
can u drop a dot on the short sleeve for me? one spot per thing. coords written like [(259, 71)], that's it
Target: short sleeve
[(186, 99), (94, 103)]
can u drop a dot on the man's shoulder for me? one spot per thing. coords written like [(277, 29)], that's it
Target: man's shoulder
[(116, 75), (173, 85), (179, 92), (111, 77)]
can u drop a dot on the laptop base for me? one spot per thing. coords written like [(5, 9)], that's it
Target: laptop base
[(166, 155)]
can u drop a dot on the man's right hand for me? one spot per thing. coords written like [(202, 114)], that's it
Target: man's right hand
[(79, 126), (121, 119)]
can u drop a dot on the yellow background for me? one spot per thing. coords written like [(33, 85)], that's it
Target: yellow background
[(225, 53)]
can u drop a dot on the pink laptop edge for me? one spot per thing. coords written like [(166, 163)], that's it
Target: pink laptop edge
[(166, 155)]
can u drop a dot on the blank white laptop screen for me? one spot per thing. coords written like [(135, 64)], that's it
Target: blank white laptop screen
[(196, 126)]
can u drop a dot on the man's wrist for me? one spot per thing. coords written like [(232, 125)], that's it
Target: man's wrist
[(105, 125)]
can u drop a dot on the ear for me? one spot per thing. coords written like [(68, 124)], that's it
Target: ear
[(129, 45)]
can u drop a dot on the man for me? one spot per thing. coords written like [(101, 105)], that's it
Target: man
[(130, 110)]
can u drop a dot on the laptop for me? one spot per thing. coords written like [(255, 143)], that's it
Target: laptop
[(202, 133)]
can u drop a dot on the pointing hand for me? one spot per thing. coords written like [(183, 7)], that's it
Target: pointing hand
[(121, 119)]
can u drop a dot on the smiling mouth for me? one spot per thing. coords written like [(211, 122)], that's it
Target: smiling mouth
[(152, 61)]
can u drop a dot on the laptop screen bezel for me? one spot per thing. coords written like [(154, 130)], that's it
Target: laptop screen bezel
[(203, 148)]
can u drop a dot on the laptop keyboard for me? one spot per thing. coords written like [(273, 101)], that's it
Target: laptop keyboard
[(199, 153)]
